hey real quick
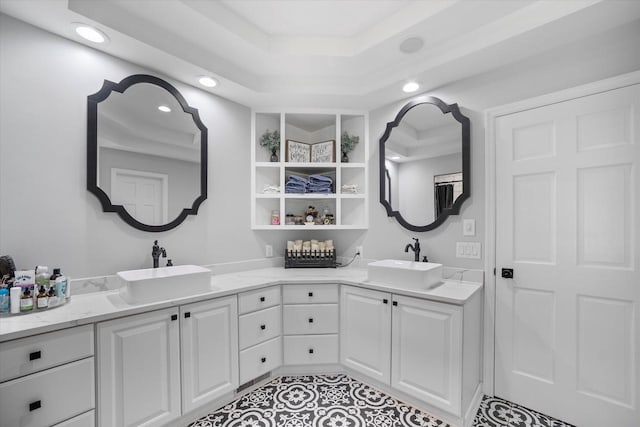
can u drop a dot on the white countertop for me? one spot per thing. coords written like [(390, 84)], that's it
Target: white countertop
[(99, 306)]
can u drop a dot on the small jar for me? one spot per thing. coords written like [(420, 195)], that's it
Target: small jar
[(275, 217)]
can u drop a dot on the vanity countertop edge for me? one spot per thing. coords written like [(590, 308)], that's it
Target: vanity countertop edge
[(96, 307)]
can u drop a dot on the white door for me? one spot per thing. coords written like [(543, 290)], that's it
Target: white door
[(426, 351), (143, 194), (567, 211), (139, 370), (365, 332), (209, 334)]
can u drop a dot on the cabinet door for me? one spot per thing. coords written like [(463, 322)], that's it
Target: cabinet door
[(365, 331), (209, 333), (426, 351), (139, 370)]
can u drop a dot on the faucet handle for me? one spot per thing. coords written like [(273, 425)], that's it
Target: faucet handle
[(170, 264)]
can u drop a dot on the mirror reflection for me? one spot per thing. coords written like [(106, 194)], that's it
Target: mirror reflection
[(424, 164), (149, 154)]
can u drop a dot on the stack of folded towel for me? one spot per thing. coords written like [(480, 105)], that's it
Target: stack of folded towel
[(315, 184), (296, 184), (320, 184), (350, 189)]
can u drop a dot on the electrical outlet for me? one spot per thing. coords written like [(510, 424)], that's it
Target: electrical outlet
[(359, 251), (268, 251)]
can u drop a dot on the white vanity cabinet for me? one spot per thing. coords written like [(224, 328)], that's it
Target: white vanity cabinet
[(310, 314), (209, 344), (365, 332), (139, 369), (260, 332), (48, 379), (426, 349), (148, 364)]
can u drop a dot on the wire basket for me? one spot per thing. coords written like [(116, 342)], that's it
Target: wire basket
[(310, 259)]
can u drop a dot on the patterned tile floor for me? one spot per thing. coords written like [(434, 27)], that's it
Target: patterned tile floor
[(496, 412), (341, 401), (317, 401)]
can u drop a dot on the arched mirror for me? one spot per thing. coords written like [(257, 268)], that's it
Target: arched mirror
[(425, 163), (146, 152)]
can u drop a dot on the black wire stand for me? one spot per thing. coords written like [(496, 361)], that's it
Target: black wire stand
[(310, 259)]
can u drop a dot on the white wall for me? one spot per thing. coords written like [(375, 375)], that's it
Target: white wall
[(604, 55), (48, 217)]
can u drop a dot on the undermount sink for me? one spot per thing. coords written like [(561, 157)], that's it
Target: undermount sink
[(155, 284), (405, 274)]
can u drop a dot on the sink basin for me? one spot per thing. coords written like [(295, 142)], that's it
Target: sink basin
[(155, 284), (405, 274)]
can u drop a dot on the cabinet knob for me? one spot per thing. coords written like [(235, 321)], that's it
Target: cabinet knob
[(262, 299), (385, 301), (174, 317), (187, 315), (35, 355), (310, 294), (395, 303), (35, 405), (263, 360), (310, 351), (311, 320), (263, 327)]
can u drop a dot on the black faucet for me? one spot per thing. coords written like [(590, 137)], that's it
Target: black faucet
[(415, 248), (156, 251)]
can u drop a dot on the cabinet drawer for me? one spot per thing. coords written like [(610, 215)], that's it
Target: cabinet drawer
[(36, 353), (310, 294), (260, 359), (88, 419), (260, 326), (258, 299), (48, 397), (310, 349), (310, 319)]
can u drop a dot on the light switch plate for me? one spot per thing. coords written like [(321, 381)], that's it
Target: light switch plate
[(471, 250), (469, 227)]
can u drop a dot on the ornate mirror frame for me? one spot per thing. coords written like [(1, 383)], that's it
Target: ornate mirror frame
[(92, 150), (466, 162)]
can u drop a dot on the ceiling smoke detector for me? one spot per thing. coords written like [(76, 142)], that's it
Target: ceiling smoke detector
[(411, 45)]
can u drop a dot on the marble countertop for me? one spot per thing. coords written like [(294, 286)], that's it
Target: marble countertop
[(94, 307)]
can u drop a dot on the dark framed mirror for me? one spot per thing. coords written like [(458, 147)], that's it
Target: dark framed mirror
[(146, 152), (425, 165)]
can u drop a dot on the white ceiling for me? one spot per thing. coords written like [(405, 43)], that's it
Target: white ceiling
[(325, 53)]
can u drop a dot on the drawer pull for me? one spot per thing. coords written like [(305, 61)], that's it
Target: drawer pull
[(263, 360), (311, 320), (385, 301), (263, 327), (35, 405), (174, 317), (310, 294), (310, 351), (187, 315), (35, 355), (262, 299), (395, 303)]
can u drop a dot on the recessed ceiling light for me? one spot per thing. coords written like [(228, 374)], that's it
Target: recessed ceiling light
[(208, 81), (91, 34), (411, 45), (164, 108), (410, 87), (395, 158)]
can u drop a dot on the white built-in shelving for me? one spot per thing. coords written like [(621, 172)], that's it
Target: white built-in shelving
[(350, 210)]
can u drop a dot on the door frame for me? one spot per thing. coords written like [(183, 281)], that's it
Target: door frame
[(490, 117)]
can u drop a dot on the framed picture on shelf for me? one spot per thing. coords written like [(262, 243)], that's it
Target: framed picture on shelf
[(298, 152), (323, 152)]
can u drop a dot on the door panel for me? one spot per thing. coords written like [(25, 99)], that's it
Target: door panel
[(567, 221), (365, 332)]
